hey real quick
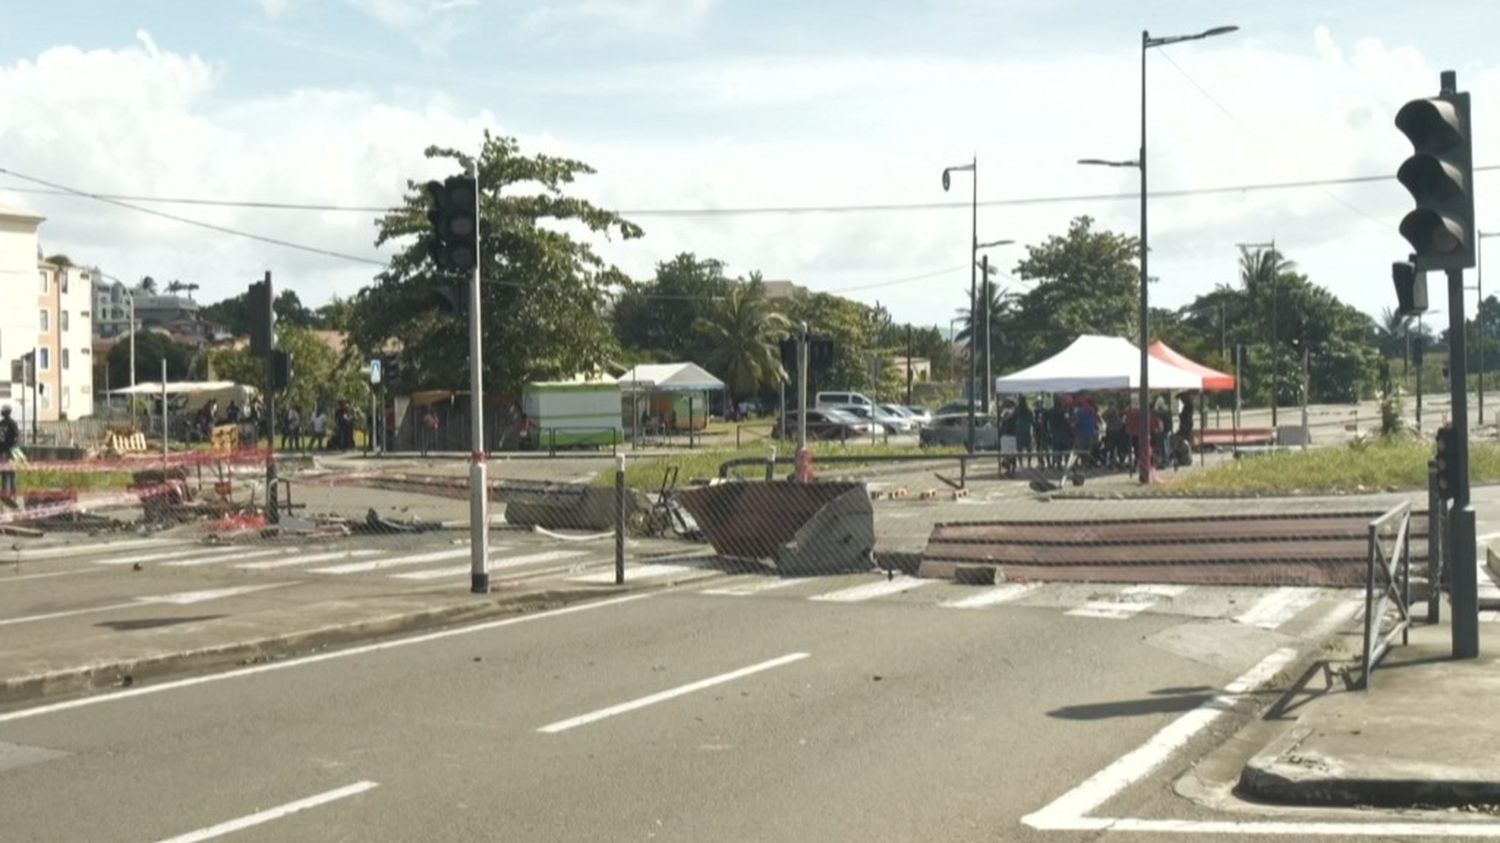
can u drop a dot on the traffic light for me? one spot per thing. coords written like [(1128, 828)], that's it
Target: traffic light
[(262, 319), (1411, 287), (451, 300), (281, 370), (1440, 176), (820, 353), (390, 366), (1447, 464), (454, 217), (789, 355)]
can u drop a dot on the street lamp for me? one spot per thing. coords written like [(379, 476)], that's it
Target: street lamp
[(971, 167), (989, 353), (1479, 312), (1147, 42)]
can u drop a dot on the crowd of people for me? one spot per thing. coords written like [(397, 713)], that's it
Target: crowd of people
[(299, 429), (1102, 435)]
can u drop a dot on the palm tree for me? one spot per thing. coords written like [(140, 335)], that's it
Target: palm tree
[(148, 285), (742, 333), (1391, 332), (1262, 269), (1002, 307)]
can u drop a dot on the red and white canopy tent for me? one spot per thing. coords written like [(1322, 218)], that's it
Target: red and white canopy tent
[(1213, 379), (1095, 362)]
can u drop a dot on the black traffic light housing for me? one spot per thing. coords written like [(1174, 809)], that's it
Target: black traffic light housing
[(1447, 465), (451, 300), (262, 319), (789, 355), (1440, 177), (820, 353), (281, 370), (1411, 287), (455, 218)]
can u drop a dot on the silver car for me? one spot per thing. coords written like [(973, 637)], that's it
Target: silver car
[(953, 429)]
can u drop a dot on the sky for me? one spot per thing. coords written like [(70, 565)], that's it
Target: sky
[(684, 106)]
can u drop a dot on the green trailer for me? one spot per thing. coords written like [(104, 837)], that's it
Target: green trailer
[(574, 414)]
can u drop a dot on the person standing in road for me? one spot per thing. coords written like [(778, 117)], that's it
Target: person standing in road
[(429, 430), (319, 429), (10, 439), (1024, 422)]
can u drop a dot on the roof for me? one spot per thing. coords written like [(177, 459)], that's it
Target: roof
[(20, 215), (1097, 362), (1213, 379), (670, 377)]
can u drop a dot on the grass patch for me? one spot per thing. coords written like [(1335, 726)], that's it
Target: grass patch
[(646, 472), (1372, 466), (82, 481)]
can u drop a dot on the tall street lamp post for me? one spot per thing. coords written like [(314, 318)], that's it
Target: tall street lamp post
[(1147, 42), (971, 167), (989, 354)]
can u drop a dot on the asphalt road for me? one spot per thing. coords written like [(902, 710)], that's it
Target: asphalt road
[(742, 708)]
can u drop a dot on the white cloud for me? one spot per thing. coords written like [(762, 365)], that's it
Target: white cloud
[(620, 18), (274, 8), (750, 132)]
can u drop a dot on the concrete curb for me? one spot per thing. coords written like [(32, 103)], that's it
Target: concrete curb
[(86, 678), (1283, 774)]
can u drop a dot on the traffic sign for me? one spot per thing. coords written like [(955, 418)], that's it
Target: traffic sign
[(374, 372)]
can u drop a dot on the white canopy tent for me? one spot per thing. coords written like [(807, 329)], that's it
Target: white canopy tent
[(1097, 362), (174, 388), (670, 377)]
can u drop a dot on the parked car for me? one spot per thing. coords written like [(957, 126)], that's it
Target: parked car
[(824, 424), (843, 399), (955, 407), (888, 421), (918, 416), (953, 429)]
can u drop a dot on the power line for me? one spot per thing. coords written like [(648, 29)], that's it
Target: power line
[(1252, 187), (1244, 127), (274, 241)]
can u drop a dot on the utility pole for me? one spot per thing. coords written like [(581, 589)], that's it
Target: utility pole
[(804, 457), (131, 294), (908, 364), (479, 498), (984, 270)]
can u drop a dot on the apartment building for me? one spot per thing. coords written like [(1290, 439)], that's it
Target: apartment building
[(111, 311), (51, 316)]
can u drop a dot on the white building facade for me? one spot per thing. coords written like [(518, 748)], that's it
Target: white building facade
[(52, 318)]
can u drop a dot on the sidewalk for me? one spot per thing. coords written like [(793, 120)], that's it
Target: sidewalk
[(1424, 735)]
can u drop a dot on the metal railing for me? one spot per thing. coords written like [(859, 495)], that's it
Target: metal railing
[(1392, 566)]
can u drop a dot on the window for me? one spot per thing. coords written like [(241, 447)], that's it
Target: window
[(64, 320), (65, 359), (43, 393), (62, 280), (43, 274), (46, 359), (42, 321)]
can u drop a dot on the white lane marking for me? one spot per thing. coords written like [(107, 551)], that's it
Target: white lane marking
[(21, 577), (1291, 829), (1128, 603), (504, 562), (223, 557), (182, 598), (636, 572), (276, 813), (153, 557), (992, 596), (653, 699), (25, 713), (393, 562), (871, 590), (307, 560), (78, 549), (1278, 607), (747, 589), (1141, 761)]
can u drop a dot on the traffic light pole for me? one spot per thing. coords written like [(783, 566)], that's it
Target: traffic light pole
[(1465, 573), (479, 498), (273, 509)]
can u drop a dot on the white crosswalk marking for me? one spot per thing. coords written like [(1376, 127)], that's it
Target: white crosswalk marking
[(504, 562), (307, 560), (1128, 603), (747, 589), (1278, 607), (158, 556), (869, 591), (991, 596), (223, 556), (393, 562), (85, 549), (636, 572)]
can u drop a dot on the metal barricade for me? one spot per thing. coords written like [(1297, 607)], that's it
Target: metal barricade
[(1392, 565)]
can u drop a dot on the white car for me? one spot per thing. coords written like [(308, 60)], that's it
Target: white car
[(889, 422), (918, 419)]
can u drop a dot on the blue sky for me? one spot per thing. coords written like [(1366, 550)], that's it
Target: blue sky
[(704, 103)]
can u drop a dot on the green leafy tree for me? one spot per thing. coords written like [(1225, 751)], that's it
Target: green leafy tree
[(850, 325), (1087, 282), (321, 375), (544, 292), (234, 313), (148, 285), (742, 334), (653, 316), (1003, 317), (150, 349)]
